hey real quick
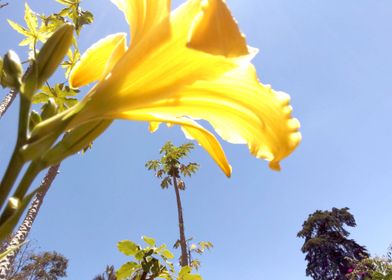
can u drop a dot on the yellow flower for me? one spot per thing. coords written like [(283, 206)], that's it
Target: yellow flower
[(182, 66)]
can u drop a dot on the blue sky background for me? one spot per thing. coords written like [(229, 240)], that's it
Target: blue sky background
[(333, 57)]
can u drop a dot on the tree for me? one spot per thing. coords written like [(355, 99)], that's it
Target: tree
[(169, 169), (30, 264), (329, 252)]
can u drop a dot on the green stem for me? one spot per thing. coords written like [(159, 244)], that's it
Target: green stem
[(31, 173), (16, 163)]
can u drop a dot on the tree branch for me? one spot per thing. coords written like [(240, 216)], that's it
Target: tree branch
[(24, 229), (8, 99)]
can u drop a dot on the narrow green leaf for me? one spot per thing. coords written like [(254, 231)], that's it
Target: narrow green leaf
[(167, 254), (18, 28), (30, 19), (150, 241)]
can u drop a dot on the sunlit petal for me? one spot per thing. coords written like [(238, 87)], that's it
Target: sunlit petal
[(93, 64), (161, 62), (193, 64), (241, 110), (191, 129), (143, 15)]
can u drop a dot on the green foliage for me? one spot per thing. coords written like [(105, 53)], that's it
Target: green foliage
[(377, 268), (31, 264), (34, 32), (169, 165), (195, 248), (329, 252), (49, 38), (78, 16), (63, 96), (150, 262)]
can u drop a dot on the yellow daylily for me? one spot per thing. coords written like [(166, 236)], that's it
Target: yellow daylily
[(182, 66)]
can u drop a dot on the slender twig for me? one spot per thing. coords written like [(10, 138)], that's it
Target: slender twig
[(3, 5), (24, 229), (6, 103)]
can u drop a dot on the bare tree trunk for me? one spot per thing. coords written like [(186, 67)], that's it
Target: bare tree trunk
[(24, 229), (184, 251), (6, 103)]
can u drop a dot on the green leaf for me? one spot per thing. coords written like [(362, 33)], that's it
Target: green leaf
[(18, 28), (69, 102), (40, 97), (167, 254), (30, 19), (192, 277), (185, 274), (128, 248), (126, 270), (150, 241)]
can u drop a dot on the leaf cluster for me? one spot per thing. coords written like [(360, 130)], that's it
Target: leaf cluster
[(149, 262), (170, 166), (195, 248), (38, 28), (78, 16), (378, 268)]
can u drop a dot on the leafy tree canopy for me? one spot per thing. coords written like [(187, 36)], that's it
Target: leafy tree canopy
[(329, 251)]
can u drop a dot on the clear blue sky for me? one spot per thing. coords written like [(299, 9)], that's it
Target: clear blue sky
[(333, 57)]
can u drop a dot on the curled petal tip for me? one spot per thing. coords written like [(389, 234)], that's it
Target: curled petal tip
[(154, 126), (275, 165)]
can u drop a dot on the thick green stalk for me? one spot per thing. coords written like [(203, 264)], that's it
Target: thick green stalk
[(16, 163)]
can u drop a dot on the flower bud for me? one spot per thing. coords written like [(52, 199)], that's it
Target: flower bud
[(35, 118), (48, 59), (12, 70), (49, 109)]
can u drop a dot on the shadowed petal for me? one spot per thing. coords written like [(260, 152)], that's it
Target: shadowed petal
[(215, 31)]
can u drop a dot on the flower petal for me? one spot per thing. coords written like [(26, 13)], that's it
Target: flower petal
[(191, 129), (215, 31), (160, 62), (241, 110), (143, 15), (98, 60)]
